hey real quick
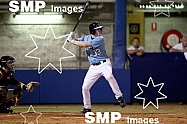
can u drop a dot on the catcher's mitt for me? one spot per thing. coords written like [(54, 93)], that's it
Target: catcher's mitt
[(30, 86)]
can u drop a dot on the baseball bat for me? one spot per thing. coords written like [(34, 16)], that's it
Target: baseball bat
[(80, 17)]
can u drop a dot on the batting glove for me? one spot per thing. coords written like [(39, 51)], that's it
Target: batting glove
[(71, 37)]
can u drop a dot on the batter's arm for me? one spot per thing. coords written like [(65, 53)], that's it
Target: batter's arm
[(81, 43)]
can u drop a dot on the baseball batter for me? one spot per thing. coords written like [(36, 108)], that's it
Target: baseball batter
[(100, 64)]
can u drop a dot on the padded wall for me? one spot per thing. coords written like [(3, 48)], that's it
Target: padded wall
[(167, 68), (120, 35), (66, 87)]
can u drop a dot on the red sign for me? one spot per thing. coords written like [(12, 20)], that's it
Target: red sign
[(153, 26)]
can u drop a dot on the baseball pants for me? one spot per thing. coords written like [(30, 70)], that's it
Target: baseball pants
[(93, 74)]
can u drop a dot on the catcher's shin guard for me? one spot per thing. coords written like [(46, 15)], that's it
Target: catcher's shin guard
[(5, 106), (17, 95)]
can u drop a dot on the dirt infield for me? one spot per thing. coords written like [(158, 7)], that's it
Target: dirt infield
[(77, 118), (166, 116)]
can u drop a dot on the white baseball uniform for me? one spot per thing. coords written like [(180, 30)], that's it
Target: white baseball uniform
[(100, 65)]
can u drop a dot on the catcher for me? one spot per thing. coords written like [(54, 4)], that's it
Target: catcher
[(6, 78)]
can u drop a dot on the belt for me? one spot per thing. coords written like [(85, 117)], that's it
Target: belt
[(94, 64)]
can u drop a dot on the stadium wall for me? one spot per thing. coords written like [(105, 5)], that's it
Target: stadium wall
[(66, 87)]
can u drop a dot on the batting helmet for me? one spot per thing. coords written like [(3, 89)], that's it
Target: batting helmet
[(7, 62), (94, 26)]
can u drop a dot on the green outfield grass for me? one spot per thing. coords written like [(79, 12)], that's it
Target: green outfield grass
[(168, 113), (164, 108)]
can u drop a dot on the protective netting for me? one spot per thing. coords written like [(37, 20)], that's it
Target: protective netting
[(16, 35)]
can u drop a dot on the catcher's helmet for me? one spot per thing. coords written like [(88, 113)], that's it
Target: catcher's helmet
[(94, 26), (8, 63)]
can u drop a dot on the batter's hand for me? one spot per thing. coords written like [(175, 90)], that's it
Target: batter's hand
[(30, 86), (71, 37)]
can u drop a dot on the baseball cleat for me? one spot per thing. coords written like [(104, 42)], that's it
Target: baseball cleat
[(85, 110), (9, 110), (121, 102)]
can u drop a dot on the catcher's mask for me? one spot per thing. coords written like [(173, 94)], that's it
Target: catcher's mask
[(8, 63), (94, 26)]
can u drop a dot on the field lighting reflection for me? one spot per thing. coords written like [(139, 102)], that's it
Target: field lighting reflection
[(43, 17), (38, 18)]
